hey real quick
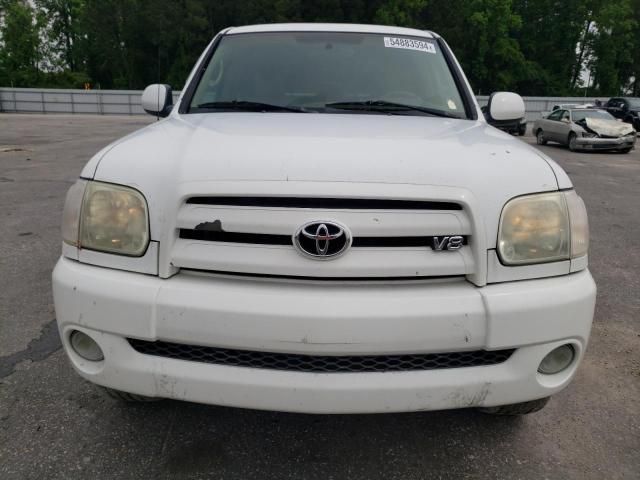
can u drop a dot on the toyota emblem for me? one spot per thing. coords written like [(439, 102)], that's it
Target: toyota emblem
[(322, 240)]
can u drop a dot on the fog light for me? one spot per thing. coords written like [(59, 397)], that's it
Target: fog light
[(85, 346), (557, 359)]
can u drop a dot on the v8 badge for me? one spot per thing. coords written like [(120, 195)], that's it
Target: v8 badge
[(454, 242)]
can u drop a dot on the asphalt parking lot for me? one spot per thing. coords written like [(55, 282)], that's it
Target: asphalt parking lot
[(54, 425)]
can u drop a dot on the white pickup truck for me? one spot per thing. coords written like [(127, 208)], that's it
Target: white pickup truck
[(325, 222)]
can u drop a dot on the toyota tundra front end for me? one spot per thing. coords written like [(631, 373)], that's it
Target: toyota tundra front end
[(324, 222)]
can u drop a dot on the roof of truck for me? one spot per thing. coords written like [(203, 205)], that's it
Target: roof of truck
[(330, 27)]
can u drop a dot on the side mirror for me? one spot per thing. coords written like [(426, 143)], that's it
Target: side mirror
[(157, 100), (505, 108)]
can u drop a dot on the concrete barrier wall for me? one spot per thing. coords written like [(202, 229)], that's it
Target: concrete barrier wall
[(98, 102), (127, 102)]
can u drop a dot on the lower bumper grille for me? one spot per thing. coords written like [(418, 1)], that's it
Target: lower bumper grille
[(320, 364)]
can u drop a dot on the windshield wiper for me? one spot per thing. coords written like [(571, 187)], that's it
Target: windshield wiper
[(389, 107), (247, 106)]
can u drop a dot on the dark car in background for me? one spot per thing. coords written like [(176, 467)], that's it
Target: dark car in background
[(626, 109)]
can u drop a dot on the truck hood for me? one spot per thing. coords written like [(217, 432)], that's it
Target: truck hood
[(186, 152)]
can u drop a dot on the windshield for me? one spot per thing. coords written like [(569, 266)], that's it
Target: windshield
[(309, 70), (582, 114)]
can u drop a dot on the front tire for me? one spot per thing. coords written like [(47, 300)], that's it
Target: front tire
[(523, 408), (129, 397), (522, 130), (540, 140), (625, 150), (573, 145)]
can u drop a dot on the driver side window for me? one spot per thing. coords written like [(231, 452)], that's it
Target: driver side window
[(555, 115), (565, 116)]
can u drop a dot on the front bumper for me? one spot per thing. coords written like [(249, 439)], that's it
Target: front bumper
[(323, 318), (597, 143)]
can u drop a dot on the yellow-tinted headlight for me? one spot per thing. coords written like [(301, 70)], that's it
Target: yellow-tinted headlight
[(114, 219), (534, 229), (545, 227)]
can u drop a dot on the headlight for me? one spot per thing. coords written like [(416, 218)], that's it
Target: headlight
[(579, 223), (105, 217), (543, 228), (71, 213), (589, 135)]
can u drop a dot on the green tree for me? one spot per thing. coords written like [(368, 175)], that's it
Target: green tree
[(19, 54), (554, 38), (540, 47), (634, 82), (482, 33), (612, 64), (400, 12), (60, 20)]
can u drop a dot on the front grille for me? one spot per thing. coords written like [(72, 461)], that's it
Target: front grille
[(326, 203), (391, 237), (605, 145), (275, 239), (609, 136), (320, 363), (235, 237)]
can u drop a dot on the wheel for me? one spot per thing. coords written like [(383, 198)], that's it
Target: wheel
[(540, 138), (128, 397), (573, 146), (523, 408), (522, 129), (625, 150)]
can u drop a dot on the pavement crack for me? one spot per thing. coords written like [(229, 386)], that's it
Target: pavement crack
[(12, 149), (38, 349), (169, 431)]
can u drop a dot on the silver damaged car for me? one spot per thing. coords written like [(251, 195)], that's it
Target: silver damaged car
[(585, 129)]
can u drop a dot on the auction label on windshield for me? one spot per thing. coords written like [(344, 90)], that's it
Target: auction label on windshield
[(409, 44)]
